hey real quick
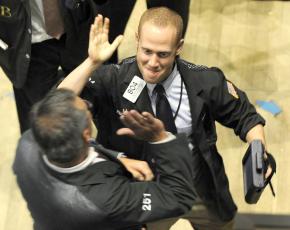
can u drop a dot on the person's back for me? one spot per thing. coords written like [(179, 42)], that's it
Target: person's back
[(49, 198), (70, 183)]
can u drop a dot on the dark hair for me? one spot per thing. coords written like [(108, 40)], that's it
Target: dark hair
[(162, 17), (58, 126)]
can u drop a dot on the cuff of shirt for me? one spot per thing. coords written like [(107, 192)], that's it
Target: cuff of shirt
[(169, 137)]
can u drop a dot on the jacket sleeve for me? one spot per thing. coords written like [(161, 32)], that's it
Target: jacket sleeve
[(99, 88), (230, 106), (171, 195)]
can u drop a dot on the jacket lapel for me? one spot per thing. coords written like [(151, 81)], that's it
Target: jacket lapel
[(193, 90)]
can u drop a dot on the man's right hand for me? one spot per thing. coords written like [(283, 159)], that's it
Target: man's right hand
[(142, 126), (100, 50), (140, 170)]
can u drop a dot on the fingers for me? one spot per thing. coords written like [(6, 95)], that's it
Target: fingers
[(269, 169), (137, 176), (125, 131), (94, 28), (138, 117), (99, 23), (92, 33), (143, 120), (148, 175), (143, 177), (142, 171), (149, 117), (129, 120), (117, 42), (105, 30), (268, 172), (100, 32), (106, 27)]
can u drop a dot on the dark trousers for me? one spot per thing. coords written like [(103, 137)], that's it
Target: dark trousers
[(43, 74)]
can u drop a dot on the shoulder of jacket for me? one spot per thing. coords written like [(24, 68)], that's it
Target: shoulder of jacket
[(193, 66), (124, 63), (128, 60)]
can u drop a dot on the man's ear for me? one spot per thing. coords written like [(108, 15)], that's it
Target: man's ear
[(137, 38), (87, 134), (179, 46)]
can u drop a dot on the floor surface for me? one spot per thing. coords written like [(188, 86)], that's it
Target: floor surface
[(250, 42)]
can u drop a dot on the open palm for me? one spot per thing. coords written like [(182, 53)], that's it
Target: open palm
[(142, 126), (100, 50)]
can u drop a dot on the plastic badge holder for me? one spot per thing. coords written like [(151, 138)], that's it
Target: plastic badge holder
[(253, 172)]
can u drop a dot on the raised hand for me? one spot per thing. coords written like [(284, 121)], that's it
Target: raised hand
[(100, 50), (142, 126)]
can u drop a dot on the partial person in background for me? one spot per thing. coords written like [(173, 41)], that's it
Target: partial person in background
[(37, 37), (179, 6), (188, 98), (70, 184)]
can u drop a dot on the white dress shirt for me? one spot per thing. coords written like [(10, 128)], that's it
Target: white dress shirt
[(37, 22), (172, 87), (92, 158)]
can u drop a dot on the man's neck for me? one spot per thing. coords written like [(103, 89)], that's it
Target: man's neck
[(92, 158)]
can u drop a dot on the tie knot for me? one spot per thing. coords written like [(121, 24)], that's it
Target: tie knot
[(159, 89)]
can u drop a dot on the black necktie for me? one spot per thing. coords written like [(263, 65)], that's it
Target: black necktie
[(163, 109)]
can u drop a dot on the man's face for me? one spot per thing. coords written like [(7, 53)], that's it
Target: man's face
[(157, 48)]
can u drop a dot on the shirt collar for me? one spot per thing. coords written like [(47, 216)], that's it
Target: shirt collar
[(92, 158), (166, 83)]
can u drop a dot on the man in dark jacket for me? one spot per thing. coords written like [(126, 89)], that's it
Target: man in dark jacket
[(31, 54), (198, 96), (70, 184)]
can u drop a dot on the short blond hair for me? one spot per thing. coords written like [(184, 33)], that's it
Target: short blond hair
[(162, 17)]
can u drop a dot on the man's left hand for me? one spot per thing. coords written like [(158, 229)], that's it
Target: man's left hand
[(142, 126)]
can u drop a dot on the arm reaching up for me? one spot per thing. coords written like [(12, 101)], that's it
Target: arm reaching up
[(99, 51)]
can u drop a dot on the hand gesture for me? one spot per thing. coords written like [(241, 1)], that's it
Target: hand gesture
[(140, 170), (142, 126), (100, 50)]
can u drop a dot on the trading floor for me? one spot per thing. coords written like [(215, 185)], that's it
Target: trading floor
[(250, 41)]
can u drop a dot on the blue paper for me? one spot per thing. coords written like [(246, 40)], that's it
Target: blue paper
[(269, 106)]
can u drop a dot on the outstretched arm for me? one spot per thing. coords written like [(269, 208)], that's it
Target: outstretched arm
[(99, 51), (172, 194), (145, 127)]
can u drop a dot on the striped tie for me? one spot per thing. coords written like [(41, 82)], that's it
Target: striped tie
[(54, 25)]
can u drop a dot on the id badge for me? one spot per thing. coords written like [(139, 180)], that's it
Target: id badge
[(134, 89)]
